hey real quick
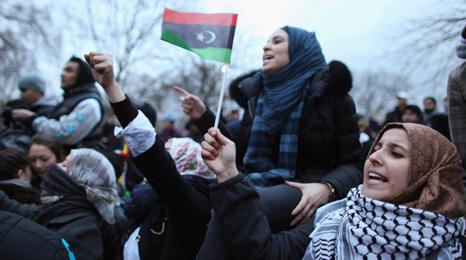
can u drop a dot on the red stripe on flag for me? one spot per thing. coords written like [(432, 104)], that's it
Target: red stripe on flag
[(173, 16)]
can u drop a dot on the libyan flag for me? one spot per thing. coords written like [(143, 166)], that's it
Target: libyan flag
[(208, 35)]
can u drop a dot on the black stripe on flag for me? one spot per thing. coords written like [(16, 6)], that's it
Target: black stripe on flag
[(203, 36)]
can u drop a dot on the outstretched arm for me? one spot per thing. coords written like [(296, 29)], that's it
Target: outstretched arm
[(149, 151)]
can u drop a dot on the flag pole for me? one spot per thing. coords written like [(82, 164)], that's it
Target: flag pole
[(224, 70)]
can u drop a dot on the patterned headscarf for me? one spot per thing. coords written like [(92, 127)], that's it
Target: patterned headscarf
[(422, 221), (92, 171), (186, 154), (435, 180)]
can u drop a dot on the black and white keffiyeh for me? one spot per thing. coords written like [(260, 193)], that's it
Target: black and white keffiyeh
[(362, 228)]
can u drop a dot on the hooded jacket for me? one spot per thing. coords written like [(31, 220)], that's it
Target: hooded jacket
[(78, 117)]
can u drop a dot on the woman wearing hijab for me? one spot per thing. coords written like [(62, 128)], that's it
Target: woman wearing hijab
[(410, 205), (78, 202), (299, 125)]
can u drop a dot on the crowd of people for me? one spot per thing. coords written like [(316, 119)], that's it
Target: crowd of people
[(299, 176)]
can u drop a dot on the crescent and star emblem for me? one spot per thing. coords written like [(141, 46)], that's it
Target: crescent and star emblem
[(202, 38)]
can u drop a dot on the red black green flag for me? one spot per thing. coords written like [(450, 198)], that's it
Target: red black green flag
[(208, 35)]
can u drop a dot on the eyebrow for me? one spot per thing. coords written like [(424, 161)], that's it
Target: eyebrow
[(278, 37), (394, 145)]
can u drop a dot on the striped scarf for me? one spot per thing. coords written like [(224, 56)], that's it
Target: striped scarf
[(262, 148), (361, 228)]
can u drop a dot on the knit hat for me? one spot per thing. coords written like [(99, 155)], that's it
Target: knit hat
[(32, 82), (461, 48)]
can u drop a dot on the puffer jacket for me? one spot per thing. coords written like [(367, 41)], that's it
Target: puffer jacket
[(328, 144)]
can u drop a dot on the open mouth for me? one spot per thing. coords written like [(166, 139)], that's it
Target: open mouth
[(267, 57), (376, 177)]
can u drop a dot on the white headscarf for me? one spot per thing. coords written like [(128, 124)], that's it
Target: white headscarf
[(93, 171)]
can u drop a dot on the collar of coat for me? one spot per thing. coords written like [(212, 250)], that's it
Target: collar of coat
[(335, 80)]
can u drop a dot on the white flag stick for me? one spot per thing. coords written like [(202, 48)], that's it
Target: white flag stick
[(224, 70)]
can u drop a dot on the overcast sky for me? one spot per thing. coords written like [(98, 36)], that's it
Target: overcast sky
[(357, 32)]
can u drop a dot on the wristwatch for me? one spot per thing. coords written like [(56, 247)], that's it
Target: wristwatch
[(332, 190)]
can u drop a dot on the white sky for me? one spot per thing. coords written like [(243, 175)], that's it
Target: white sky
[(357, 32)]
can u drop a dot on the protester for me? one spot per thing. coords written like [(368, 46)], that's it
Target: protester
[(409, 206), (16, 136), (175, 228), (145, 206), (32, 96), (397, 113), (412, 114), (76, 120), (78, 202), (457, 102), (16, 177), (430, 109), (43, 153), (303, 127)]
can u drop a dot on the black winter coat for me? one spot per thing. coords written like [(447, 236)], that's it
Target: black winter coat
[(176, 227), (328, 140), (21, 238), (75, 220)]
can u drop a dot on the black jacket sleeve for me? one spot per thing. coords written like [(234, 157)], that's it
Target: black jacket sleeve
[(25, 210), (245, 227), (160, 170), (348, 174)]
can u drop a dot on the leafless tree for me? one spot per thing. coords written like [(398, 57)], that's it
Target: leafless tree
[(23, 34), (127, 29), (427, 45), (375, 91)]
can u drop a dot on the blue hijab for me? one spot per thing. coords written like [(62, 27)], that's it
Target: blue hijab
[(284, 90)]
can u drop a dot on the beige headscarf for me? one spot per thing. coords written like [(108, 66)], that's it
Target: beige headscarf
[(435, 180)]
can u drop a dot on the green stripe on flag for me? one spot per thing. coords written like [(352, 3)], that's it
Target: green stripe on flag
[(218, 54)]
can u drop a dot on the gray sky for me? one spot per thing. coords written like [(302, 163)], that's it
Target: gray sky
[(358, 32), (355, 31)]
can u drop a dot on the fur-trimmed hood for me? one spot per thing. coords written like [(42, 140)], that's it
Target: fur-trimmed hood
[(336, 78)]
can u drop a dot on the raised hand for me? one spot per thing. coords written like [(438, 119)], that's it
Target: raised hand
[(102, 70), (219, 154), (314, 195), (192, 105)]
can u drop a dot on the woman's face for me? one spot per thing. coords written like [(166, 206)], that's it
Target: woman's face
[(41, 158), (386, 169), (276, 54)]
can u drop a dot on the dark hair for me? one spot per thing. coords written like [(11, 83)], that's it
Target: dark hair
[(432, 99), (56, 148), (416, 110), (84, 73), (10, 163)]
